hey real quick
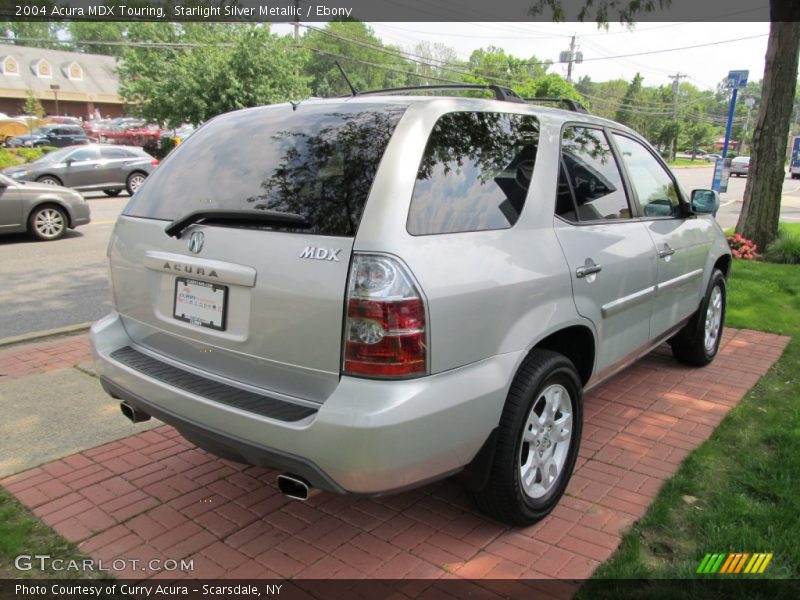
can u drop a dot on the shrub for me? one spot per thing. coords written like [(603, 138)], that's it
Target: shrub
[(165, 147), (741, 247), (11, 157), (784, 249)]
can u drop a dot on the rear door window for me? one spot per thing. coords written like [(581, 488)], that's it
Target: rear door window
[(592, 177), (83, 155), (109, 152), (475, 173), (316, 161)]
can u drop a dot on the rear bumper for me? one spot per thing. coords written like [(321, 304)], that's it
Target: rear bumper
[(369, 437)]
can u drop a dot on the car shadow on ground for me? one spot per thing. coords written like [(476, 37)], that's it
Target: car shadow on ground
[(26, 238)]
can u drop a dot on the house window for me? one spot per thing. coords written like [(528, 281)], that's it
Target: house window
[(9, 66), (42, 68), (73, 71)]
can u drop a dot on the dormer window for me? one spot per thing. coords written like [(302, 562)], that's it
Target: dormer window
[(41, 68), (73, 71), (9, 66)]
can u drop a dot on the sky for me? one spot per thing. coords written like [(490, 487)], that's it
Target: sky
[(705, 66)]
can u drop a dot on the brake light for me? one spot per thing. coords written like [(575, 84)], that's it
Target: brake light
[(384, 333), (154, 162)]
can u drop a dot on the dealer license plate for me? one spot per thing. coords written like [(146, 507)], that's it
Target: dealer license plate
[(200, 303)]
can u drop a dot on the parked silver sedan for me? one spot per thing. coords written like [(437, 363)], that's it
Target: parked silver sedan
[(91, 167), (44, 211)]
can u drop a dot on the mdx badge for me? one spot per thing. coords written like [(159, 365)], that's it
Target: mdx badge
[(196, 241), (321, 253)]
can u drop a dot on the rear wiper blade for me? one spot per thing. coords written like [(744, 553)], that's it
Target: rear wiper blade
[(267, 217)]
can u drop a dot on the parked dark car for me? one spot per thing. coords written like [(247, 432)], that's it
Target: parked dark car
[(59, 136), (44, 211), (92, 167)]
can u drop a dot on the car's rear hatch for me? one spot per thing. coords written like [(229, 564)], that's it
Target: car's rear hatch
[(248, 283)]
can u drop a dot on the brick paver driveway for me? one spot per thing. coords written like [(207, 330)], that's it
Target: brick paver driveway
[(153, 495)]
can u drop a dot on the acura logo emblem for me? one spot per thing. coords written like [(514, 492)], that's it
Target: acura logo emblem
[(196, 241)]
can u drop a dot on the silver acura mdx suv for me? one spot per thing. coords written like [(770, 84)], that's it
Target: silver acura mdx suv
[(375, 292)]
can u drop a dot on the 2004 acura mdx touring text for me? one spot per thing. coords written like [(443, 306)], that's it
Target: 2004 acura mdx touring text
[(376, 292)]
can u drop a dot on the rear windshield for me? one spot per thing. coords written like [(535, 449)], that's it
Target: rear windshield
[(315, 161)]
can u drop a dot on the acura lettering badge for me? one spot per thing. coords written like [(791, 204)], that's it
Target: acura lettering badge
[(196, 241)]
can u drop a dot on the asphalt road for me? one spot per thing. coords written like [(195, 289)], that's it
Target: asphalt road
[(44, 285)]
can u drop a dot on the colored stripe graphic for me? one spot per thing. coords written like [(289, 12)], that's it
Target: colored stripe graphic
[(754, 562), (727, 564), (765, 563), (703, 563), (734, 562), (718, 563), (741, 562)]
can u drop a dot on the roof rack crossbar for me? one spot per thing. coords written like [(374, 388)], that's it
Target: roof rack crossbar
[(569, 103), (500, 93)]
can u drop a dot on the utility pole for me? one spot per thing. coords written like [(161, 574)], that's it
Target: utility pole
[(750, 102), (676, 82), (570, 57), (296, 21)]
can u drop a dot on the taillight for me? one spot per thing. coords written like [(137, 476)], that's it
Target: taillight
[(154, 162), (384, 334)]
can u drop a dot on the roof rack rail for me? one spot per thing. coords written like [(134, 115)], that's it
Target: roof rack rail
[(569, 103), (500, 93)]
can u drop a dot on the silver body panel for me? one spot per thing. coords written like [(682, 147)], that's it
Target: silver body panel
[(491, 297), (17, 201)]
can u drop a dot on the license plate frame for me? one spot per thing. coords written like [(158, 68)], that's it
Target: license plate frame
[(203, 305)]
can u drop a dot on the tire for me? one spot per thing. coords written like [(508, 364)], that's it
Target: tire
[(546, 379), (47, 222), (135, 181), (49, 180), (698, 342), (112, 193)]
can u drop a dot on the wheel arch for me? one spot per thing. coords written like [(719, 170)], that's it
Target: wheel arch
[(724, 264), (51, 176), (577, 343)]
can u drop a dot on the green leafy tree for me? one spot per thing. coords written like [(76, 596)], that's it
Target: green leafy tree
[(32, 105), (553, 86), (23, 33), (435, 62), (369, 64), (493, 66), (232, 68), (698, 135), (97, 32)]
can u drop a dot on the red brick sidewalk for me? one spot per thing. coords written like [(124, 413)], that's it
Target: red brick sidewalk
[(153, 495), (39, 357)]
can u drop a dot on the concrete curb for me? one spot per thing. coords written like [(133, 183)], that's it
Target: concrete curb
[(46, 333)]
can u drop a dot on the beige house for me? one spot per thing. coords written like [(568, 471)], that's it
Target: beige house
[(66, 83)]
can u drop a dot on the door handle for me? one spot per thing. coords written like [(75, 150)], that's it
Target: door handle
[(666, 251), (590, 268)]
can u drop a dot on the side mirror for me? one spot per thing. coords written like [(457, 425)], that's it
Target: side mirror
[(69, 161), (705, 202)]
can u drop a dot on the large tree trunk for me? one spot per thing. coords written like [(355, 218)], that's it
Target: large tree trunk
[(758, 220)]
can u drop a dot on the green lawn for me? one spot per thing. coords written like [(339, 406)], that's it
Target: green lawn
[(688, 162), (740, 491), (22, 533)]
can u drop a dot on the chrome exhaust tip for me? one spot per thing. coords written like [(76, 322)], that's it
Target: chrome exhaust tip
[(134, 414), (295, 487)]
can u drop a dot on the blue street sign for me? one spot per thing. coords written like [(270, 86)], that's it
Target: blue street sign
[(737, 80)]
